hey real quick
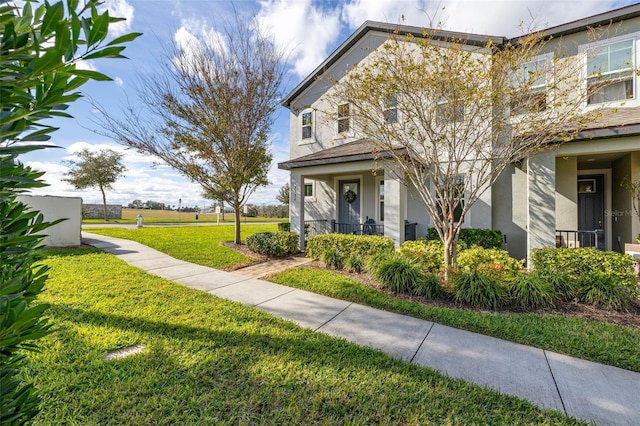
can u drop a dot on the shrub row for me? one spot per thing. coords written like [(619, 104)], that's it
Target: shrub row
[(491, 261), (487, 238), (490, 279), (348, 245), (279, 244)]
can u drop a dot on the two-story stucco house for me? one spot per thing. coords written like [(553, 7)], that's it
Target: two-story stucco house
[(570, 195)]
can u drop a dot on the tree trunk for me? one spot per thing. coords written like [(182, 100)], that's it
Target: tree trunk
[(236, 208), (450, 252), (104, 204)]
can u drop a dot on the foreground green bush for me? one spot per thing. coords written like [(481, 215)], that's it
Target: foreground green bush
[(486, 238), (478, 290), (399, 274), (278, 244), (601, 278), (333, 258), (349, 245), (532, 290), (429, 254), (489, 261)]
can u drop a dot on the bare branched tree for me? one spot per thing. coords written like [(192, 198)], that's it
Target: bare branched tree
[(208, 112), (453, 114)]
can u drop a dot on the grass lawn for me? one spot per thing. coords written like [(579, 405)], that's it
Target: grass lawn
[(199, 244), (210, 361), (597, 341), (171, 216)]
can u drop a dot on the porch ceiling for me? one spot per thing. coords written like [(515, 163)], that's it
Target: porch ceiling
[(360, 150)]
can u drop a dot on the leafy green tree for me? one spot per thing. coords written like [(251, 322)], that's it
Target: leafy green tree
[(208, 113), (40, 46), (283, 195), (96, 170)]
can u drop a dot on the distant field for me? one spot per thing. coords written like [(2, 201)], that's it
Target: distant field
[(130, 215)]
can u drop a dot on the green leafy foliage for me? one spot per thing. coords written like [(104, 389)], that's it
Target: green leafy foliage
[(41, 44), (348, 245), (532, 290), (599, 276), (354, 263), (278, 244), (429, 254), (487, 238), (479, 290), (284, 226), (430, 287), (333, 258), (496, 262), (399, 274), (603, 291)]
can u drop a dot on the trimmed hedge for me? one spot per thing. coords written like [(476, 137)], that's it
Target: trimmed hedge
[(284, 226), (278, 244), (487, 238), (488, 261), (602, 278), (349, 245)]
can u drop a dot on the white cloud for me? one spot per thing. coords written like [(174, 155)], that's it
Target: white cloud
[(118, 81), (120, 9), (493, 17), (192, 36), (302, 28)]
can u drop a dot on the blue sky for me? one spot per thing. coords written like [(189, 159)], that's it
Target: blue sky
[(309, 29)]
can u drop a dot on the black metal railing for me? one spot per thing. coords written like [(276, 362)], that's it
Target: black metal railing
[(315, 227), (357, 228), (580, 238)]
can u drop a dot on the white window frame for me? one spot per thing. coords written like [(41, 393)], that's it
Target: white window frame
[(390, 104), (547, 63), (312, 184), (586, 49), (310, 125), (344, 118)]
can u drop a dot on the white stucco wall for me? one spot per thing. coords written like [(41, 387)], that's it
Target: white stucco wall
[(65, 233)]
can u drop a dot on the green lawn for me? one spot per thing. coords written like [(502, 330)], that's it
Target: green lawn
[(196, 244), (210, 361), (597, 341), (600, 342)]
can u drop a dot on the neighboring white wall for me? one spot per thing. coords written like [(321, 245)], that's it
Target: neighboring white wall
[(65, 233)]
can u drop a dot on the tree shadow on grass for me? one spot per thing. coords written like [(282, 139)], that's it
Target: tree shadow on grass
[(255, 368)]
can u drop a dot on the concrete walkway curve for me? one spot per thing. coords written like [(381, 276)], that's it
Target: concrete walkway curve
[(590, 391)]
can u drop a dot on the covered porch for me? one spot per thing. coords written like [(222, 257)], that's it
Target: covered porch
[(346, 189)]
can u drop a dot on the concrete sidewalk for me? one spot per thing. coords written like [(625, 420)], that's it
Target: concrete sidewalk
[(594, 392)]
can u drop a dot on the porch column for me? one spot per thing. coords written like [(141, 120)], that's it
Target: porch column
[(541, 202), (395, 205), (296, 205)]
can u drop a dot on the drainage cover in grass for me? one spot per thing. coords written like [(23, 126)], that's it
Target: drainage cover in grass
[(125, 352)]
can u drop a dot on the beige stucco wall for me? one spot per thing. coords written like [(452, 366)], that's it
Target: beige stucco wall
[(566, 193), (65, 233)]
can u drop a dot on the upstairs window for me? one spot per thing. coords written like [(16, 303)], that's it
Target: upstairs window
[(306, 125), (390, 109), (532, 76), (610, 72), (343, 118), (449, 112)]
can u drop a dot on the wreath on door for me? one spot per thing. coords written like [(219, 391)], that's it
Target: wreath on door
[(349, 196)]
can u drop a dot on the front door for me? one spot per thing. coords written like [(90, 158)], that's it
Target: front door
[(349, 206), (591, 211)]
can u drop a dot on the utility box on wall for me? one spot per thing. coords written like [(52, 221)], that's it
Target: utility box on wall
[(65, 233)]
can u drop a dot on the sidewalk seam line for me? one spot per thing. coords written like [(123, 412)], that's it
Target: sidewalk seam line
[(273, 298), (555, 382), (422, 343), (333, 317)]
